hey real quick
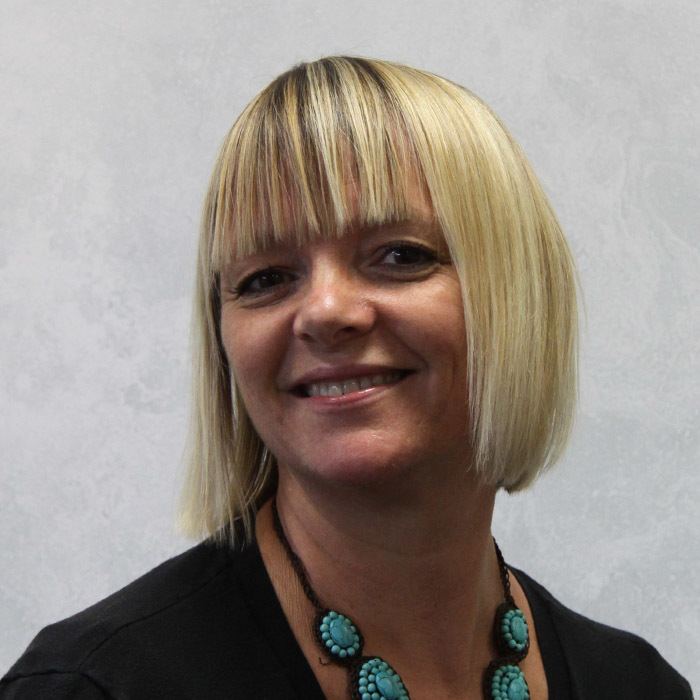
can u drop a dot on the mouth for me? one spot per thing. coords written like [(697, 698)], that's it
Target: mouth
[(351, 385)]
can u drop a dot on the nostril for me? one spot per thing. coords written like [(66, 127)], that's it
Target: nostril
[(333, 317)]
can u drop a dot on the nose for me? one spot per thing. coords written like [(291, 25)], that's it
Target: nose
[(334, 308)]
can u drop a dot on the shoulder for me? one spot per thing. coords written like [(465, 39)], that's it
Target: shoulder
[(157, 620), (601, 658)]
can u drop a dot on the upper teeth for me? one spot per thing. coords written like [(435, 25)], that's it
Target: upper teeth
[(349, 385)]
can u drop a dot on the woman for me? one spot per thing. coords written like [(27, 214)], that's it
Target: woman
[(386, 316)]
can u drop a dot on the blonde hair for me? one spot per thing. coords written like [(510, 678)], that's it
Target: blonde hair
[(335, 142)]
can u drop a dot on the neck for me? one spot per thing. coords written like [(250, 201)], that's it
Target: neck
[(417, 571)]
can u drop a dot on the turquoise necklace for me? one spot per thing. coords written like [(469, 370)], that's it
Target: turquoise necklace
[(372, 678)]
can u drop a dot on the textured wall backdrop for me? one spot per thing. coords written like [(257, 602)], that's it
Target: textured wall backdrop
[(111, 117)]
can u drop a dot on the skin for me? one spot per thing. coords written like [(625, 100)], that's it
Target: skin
[(375, 494)]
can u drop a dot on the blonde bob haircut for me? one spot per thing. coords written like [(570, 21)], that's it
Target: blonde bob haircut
[(337, 142)]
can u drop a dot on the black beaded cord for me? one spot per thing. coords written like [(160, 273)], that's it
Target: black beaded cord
[(321, 610), (505, 575), (297, 563), (506, 656)]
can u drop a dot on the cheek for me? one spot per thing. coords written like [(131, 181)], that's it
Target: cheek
[(446, 346), (439, 325), (254, 355)]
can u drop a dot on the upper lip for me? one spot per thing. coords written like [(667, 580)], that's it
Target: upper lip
[(341, 373)]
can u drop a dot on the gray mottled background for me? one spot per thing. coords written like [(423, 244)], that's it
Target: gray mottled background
[(111, 114)]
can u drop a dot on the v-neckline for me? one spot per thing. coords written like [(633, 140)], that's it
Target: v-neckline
[(255, 583), (264, 606)]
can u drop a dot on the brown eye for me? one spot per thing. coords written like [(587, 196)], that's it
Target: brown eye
[(405, 255), (263, 281)]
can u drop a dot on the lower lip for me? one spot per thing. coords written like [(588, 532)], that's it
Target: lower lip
[(351, 399)]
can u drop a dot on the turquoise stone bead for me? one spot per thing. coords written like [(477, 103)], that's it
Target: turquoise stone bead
[(518, 629), (388, 686), (516, 690), (339, 635), (508, 683), (341, 632), (378, 681), (514, 630)]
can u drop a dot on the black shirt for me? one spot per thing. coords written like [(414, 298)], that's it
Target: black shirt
[(207, 625)]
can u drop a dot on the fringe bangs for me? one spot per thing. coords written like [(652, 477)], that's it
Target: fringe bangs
[(320, 151)]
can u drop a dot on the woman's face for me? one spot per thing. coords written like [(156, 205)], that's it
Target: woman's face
[(350, 354)]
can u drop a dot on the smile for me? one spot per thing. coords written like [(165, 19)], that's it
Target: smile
[(351, 385)]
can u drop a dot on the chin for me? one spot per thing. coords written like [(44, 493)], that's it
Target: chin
[(359, 470)]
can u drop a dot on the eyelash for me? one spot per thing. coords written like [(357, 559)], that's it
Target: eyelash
[(243, 289), (429, 256), (429, 259)]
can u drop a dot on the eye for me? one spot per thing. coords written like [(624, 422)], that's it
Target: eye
[(407, 255), (267, 280)]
